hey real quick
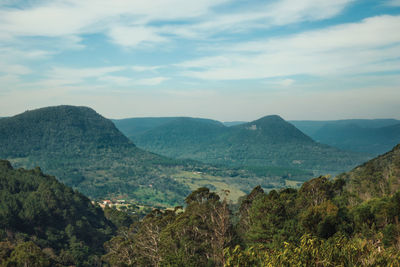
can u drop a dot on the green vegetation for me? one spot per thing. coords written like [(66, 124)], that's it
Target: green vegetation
[(375, 178), (368, 136), (269, 146), (319, 224), (45, 223), (86, 151), (323, 223)]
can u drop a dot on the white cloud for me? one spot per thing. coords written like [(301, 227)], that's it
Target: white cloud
[(84, 72), (145, 68), (74, 17), (127, 22), (263, 15), (151, 81), (60, 76), (285, 82), (116, 80), (12, 68), (290, 11), (368, 46), (393, 3), (133, 36)]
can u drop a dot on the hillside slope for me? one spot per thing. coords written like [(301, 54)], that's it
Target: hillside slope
[(377, 177), (269, 141), (368, 136), (36, 207), (136, 126), (86, 151)]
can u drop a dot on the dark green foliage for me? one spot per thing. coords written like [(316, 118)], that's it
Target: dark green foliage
[(377, 177), (319, 224), (86, 151), (268, 146), (119, 218), (35, 206)]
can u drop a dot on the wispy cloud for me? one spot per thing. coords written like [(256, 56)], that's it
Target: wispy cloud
[(145, 68), (151, 81), (393, 3), (368, 46)]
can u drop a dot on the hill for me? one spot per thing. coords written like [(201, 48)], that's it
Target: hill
[(368, 136), (136, 126), (233, 123), (376, 178), (267, 142), (86, 151), (64, 226)]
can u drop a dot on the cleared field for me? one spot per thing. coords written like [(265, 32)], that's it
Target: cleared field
[(196, 179)]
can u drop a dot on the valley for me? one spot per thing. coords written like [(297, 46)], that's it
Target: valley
[(217, 193)]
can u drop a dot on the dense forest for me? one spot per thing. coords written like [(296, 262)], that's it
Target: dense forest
[(326, 222), (266, 142), (45, 223), (87, 152)]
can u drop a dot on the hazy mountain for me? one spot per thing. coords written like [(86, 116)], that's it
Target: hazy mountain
[(86, 151), (269, 141), (233, 123), (136, 126), (377, 177), (369, 136)]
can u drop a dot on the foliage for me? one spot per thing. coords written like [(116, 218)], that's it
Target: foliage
[(87, 152), (375, 136), (377, 177), (37, 212), (269, 146), (312, 251)]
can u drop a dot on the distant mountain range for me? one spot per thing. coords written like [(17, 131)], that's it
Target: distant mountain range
[(368, 136), (87, 152), (269, 141)]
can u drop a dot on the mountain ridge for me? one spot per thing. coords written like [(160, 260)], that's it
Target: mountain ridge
[(377, 177), (268, 141), (374, 136), (86, 151)]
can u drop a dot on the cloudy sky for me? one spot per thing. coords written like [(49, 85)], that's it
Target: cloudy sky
[(220, 59)]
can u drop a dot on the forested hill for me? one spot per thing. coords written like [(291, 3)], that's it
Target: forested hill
[(45, 223), (377, 177), (274, 129), (136, 126), (269, 141), (61, 128), (86, 151), (375, 136)]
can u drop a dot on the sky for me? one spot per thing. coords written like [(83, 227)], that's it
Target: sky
[(222, 59)]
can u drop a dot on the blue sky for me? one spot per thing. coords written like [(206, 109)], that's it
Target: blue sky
[(220, 59)]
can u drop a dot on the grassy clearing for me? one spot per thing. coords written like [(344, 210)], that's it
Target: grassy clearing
[(197, 179)]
